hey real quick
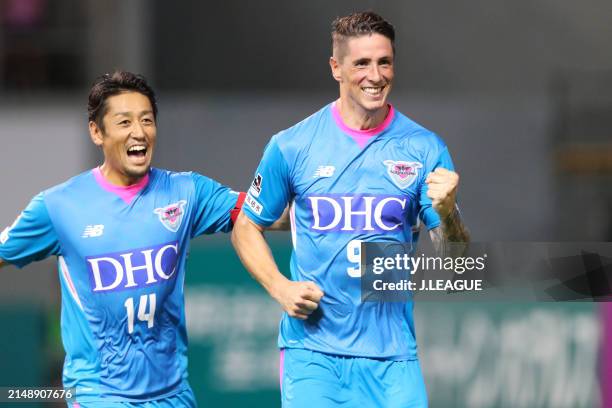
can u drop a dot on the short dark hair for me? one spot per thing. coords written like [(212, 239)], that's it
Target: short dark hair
[(108, 85), (358, 24)]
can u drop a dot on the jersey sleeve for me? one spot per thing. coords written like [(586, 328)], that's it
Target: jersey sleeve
[(31, 237), (270, 191), (213, 205), (427, 213)]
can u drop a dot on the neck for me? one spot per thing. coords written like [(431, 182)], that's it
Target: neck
[(357, 118), (116, 178)]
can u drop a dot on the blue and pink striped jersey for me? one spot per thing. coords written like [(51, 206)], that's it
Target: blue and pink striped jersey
[(121, 267), (347, 187)]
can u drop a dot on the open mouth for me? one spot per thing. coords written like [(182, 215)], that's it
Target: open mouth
[(137, 152), (373, 90)]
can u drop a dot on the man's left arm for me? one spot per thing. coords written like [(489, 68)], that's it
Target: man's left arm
[(442, 187)]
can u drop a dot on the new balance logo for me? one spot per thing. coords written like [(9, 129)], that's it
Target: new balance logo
[(93, 231), (325, 171)]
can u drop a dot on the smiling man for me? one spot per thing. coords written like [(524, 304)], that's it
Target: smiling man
[(121, 233), (357, 170)]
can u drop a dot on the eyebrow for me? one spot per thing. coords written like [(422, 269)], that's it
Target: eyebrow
[(129, 113)]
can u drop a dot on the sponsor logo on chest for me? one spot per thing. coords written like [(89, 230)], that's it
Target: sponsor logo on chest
[(356, 213), (133, 268)]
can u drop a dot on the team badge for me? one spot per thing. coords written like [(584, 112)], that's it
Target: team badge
[(256, 185), (402, 173), (171, 216)]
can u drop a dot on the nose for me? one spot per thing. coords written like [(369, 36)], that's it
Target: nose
[(138, 130), (374, 74)]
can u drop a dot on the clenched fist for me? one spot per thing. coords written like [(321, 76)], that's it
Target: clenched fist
[(299, 299), (442, 189)]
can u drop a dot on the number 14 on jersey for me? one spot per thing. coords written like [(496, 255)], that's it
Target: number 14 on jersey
[(143, 315)]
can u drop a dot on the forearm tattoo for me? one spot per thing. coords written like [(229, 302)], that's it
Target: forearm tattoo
[(451, 230)]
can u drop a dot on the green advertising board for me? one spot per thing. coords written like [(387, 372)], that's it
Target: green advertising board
[(22, 349), (483, 354), (232, 325)]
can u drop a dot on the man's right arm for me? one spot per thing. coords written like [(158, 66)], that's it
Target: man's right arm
[(30, 238), (298, 299), (265, 203), (283, 223)]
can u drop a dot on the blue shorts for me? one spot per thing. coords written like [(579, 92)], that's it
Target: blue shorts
[(184, 399), (310, 379)]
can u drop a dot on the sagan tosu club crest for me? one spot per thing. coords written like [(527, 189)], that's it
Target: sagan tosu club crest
[(171, 215), (402, 173)]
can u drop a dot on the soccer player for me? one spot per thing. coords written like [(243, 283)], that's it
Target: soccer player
[(121, 233), (357, 170)]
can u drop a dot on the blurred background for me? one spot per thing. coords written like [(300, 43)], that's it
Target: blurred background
[(521, 91)]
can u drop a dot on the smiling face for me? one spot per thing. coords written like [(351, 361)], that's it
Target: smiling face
[(363, 66), (127, 137)]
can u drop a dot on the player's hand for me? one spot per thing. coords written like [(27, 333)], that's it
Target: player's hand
[(442, 188), (299, 299)]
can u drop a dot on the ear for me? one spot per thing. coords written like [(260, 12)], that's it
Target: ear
[(95, 133), (335, 68)]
